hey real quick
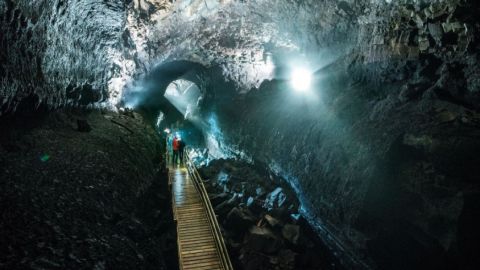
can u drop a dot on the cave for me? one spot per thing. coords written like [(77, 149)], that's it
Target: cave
[(324, 134)]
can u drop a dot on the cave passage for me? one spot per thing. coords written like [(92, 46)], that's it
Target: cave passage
[(328, 134)]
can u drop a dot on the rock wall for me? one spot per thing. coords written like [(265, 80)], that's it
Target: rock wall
[(382, 151), (84, 190), (59, 52)]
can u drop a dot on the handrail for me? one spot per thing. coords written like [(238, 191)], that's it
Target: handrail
[(219, 242)]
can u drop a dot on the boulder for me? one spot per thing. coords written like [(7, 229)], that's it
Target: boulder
[(413, 91), (224, 208), (436, 31), (275, 199), (255, 206), (254, 261), (217, 199), (260, 192), (291, 233), (261, 239), (239, 220), (287, 259), (273, 222)]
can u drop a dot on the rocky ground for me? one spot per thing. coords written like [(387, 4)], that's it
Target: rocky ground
[(83, 191), (260, 221)]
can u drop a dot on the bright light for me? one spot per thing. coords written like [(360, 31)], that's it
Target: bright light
[(167, 130), (301, 79)]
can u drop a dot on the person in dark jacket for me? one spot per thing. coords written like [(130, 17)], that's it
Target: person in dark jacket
[(181, 149)]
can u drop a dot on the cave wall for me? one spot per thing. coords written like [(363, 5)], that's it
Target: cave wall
[(387, 180), (58, 52), (382, 152)]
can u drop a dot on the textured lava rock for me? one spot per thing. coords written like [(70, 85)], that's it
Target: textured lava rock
[(77, 200), (262, 240), (62, 52), (239, 220), (272, 236)]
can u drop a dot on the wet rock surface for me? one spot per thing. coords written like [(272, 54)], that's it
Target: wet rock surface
[(73, 197), (260, 222)]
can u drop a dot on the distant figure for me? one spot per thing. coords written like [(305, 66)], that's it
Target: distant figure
[(181, 149), (169, 146), (176, 147)]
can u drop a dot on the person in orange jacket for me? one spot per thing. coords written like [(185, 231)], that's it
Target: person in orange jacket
[(176, 147)]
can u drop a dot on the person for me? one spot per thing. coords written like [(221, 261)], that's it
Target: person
[(181, 148), (169, 146), (175, 146)]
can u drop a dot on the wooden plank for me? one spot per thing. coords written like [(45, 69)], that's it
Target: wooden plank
[(198, 251), (192, 214), (190, 200), (195, 232), (195, 241), (195, 229), (195, 246), (208, 267), (192, 224), (186, 231), (196, 265), (190, 208), (198, 261), (198, 236), (205, 254), (187, 218), (189, 221)]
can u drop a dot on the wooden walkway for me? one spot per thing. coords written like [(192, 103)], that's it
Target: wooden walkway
[(198, 247)]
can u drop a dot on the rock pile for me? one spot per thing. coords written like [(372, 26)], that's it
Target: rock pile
[(260, 220)]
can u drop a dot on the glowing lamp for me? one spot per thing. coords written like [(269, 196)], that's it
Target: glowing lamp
[(301, 79)]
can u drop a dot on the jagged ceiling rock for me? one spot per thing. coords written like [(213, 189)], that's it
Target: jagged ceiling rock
[(86, 51), (79, 52)]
